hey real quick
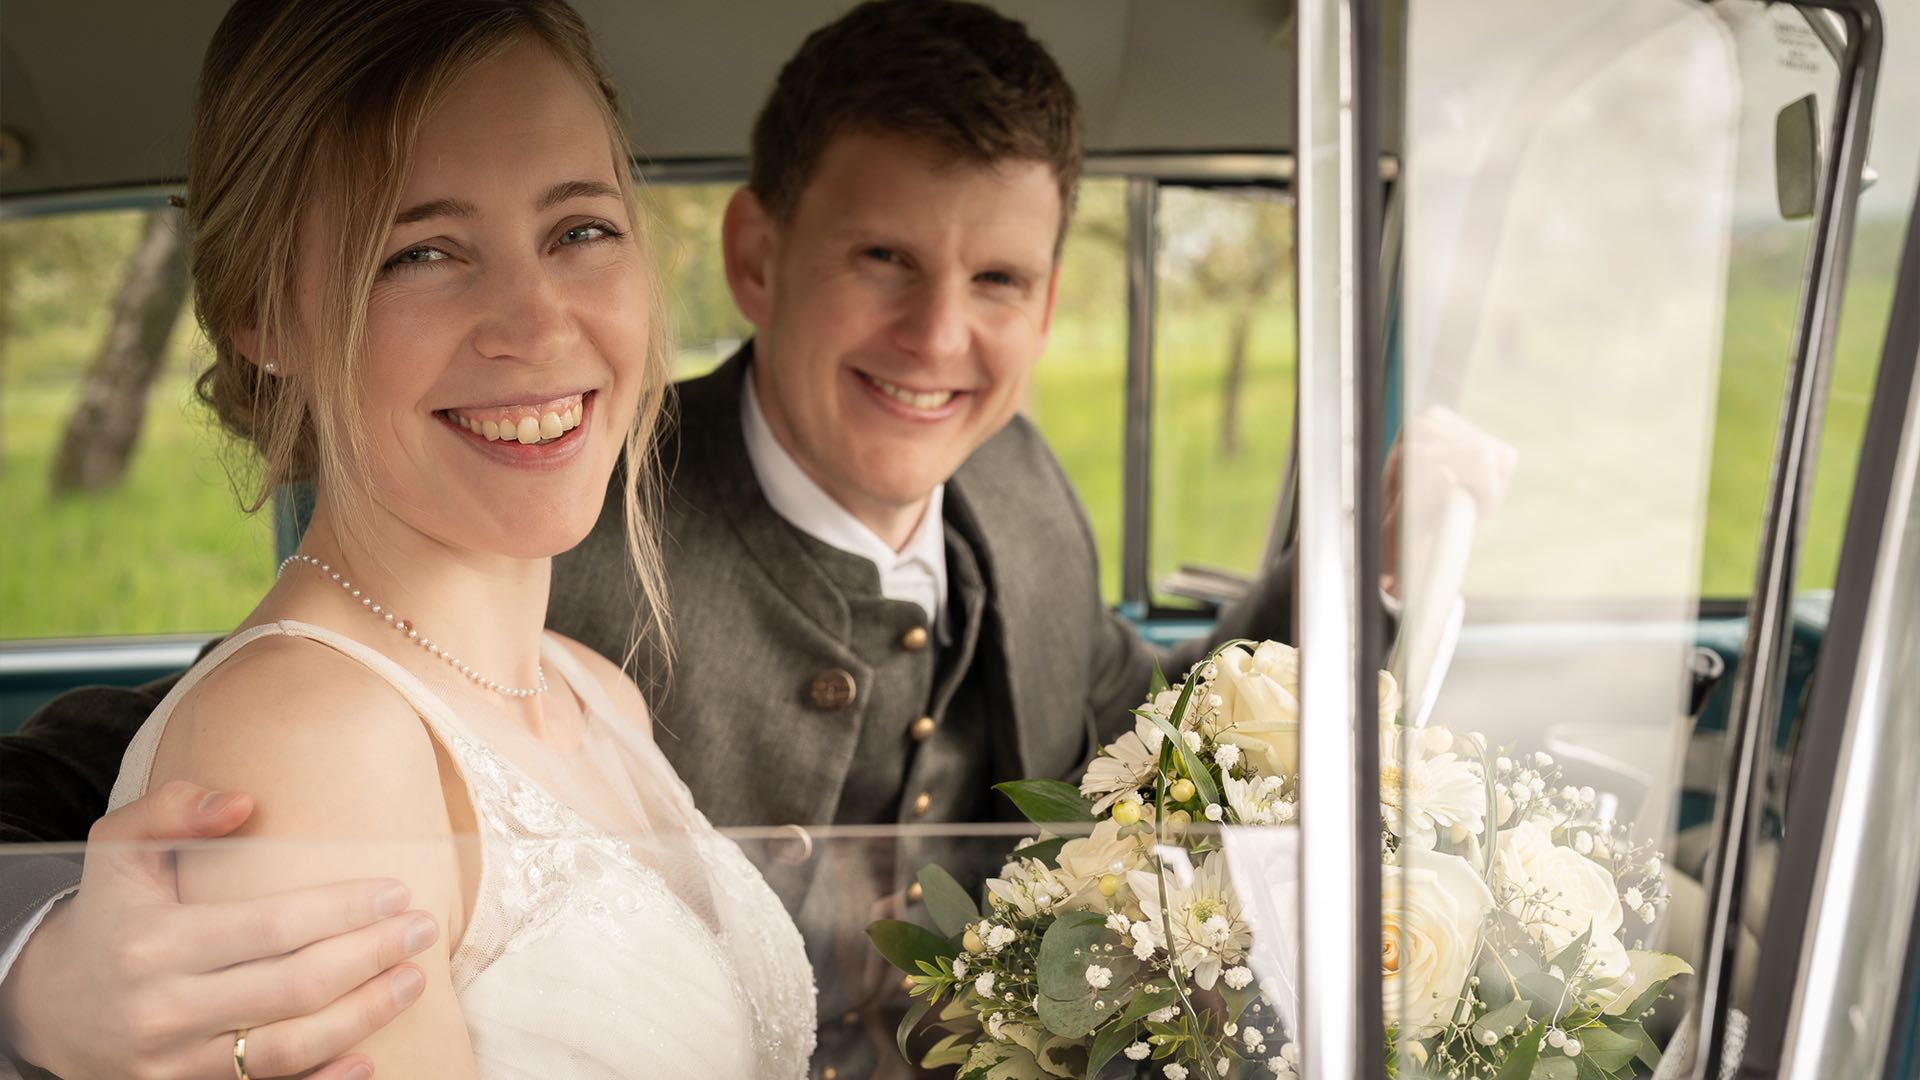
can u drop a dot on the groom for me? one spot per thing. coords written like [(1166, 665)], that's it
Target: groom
[(884, 592)]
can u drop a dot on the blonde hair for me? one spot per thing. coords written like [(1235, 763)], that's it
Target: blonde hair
[(315, 104)]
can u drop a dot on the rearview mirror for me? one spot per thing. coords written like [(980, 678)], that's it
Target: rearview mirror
[(1796, 158)]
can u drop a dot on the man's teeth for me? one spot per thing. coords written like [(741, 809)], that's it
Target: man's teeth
[(528, 428), (930, 400)]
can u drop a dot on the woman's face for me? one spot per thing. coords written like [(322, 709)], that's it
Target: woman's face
[(507, 332)]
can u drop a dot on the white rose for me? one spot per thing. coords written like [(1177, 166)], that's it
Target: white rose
[(1260, 705), (1575, 894), (1433, 906)]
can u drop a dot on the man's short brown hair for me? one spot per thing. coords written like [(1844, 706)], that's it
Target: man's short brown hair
[(959, 76)]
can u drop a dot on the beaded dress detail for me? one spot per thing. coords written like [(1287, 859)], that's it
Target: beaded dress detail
[(621, 937)]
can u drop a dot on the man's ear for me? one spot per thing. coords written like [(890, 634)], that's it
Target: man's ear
[(749, 240)]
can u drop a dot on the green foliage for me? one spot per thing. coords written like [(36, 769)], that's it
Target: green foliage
[(906, 944), (948, 904), (1047, 802), (1075, 941)]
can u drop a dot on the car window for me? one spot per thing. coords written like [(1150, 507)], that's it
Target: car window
[(122, 517)]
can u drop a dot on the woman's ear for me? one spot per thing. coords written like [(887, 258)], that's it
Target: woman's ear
[(246, 342), (749, 239)]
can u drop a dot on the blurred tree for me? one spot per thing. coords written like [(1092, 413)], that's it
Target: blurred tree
[(103, 429), (1231, 249)]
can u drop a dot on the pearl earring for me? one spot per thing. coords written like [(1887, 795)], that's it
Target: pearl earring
[(269, 367)]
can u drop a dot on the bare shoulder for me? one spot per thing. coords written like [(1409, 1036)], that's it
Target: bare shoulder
[(618, 687), (326, 746)]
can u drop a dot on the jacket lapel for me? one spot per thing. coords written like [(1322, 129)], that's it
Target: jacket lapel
[(717, 478)]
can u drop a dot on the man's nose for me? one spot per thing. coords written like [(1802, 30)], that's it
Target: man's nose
[(524, 314), (933, 325)]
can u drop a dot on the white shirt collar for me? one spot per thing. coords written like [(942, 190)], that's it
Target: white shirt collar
[(917, 572)]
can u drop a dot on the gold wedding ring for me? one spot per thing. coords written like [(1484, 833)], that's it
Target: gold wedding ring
[(240, 1055)]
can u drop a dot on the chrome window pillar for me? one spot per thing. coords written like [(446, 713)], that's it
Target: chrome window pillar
[(1337, 228), (1837, 938), (1143, 203), (1762, 675)]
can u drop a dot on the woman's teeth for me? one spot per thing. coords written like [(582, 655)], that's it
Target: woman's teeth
[(522, 425), (930, 400)]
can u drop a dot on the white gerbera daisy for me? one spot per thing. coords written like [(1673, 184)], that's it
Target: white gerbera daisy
[(1122, 766), (1422, 793), (1208, 931)]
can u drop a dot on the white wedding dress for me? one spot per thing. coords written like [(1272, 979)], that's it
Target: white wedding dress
[(614, 933)]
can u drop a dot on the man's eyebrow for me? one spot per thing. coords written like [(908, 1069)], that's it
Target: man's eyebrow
[(554, 196), (577, 189)]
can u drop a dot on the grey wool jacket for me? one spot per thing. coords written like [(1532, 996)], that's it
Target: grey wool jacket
[(758, 620)]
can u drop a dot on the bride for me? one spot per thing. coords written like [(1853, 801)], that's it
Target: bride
[(417, 254)]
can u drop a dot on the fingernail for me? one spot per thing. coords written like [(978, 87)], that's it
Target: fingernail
[(215, 801), (392, 900), (407, 986), (360, 1072), (420, 934)]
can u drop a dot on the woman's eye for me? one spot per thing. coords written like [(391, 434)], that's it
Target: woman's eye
[(581, 234), (416, 256)]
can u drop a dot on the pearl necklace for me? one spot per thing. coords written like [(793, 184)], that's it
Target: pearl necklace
[(413, 634)]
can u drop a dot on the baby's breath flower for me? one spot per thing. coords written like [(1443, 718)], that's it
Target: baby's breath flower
[(1238, 976), (984, 984), (1226, 755), (959, 967), (1137, 1051), (1176, 1071), (1164, 1016), (1098, 977)]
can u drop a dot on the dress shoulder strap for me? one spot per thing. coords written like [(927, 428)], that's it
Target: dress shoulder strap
[(136, 768)]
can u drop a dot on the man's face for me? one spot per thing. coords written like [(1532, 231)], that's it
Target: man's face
[(898, 313)]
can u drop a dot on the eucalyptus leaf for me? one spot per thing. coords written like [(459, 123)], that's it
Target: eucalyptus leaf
[(1076, 1017), (947, 903), (905, 943), (1520, 1063), (1546, 992), (1068, 1005), (1075, 941), (1606, 1048), (1511, 1015), (1047, 802), (1554, 1065)]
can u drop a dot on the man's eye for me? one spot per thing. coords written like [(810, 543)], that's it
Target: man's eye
[(880, 254), (998, 278)]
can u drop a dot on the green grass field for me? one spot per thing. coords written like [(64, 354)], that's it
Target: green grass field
[(170, 551)]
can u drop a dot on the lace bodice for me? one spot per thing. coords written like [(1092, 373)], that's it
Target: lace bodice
[(651, 950)]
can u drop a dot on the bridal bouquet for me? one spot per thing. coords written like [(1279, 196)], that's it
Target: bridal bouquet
[(1115, 942)]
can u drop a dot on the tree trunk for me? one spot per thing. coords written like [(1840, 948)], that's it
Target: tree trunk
[(103, 429), (1239, 329)]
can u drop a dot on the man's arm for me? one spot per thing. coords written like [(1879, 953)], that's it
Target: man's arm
[(57, 771), (72, 999)]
